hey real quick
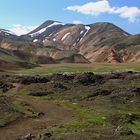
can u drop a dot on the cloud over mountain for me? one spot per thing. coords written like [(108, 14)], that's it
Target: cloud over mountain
[(19, 29), (103, 6)]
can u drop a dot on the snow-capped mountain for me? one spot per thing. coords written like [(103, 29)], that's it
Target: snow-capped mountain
[(56, 42), (6, 32), (54, 31)]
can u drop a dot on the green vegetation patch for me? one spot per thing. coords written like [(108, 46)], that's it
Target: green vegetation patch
[(46, 69), (11, 110), (83, 119)]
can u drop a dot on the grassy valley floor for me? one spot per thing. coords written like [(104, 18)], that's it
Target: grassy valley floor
[(37, 105), (97, 67)]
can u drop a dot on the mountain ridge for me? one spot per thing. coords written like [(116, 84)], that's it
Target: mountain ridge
[(57, 42)]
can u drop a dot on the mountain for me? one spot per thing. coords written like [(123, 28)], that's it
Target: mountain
[(6, 33), (56, 42), (98, 42), (53, 31), (10, 61)]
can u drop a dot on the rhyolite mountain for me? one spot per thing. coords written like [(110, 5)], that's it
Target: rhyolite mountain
[(56, 42)]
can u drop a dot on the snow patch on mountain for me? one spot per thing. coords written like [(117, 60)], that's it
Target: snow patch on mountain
[(51, 33), (7, 32), (54, 39), (35, 40), (125, 34), (64, 37), (87, 28), (38, 32), (81, 32), (45, 28), (55, 23)]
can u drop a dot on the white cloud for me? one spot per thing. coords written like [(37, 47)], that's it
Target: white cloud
[(130, 13), (77, 22), (103, 6), (92, 8), (19, 29)]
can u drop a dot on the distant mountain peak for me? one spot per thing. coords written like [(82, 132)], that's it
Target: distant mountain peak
[(72, 34), (46, 25), (6, 32)]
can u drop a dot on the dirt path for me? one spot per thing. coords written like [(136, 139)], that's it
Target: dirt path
[(54, 115)]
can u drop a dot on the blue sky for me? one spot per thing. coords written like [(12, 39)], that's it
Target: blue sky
[(24, 15)]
